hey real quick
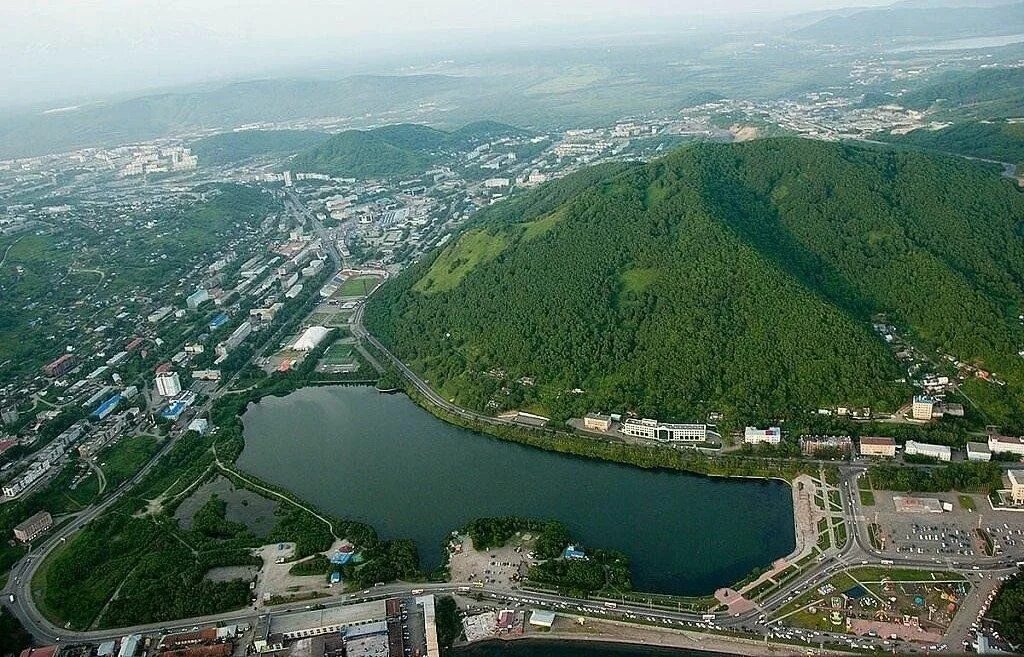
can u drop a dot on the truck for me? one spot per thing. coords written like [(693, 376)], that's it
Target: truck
[(611, 605)]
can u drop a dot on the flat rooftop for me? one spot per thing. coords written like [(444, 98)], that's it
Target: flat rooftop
[(330, 617)]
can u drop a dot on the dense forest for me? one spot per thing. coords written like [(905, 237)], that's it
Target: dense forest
[(993, 140), (738, 278), (1008, 610), (228, 147), (394, 150)]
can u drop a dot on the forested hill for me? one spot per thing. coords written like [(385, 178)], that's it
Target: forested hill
[(394, 150), (236, 146), (739, 278)]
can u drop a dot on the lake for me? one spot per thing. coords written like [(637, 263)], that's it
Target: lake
[(382, 460)]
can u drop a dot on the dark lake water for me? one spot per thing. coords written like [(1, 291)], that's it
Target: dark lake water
[(383, 460), (545, 648)]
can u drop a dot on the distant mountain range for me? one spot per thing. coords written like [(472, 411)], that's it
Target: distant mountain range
[(921, 19), (224, 106), (740, 278), (394, 150)]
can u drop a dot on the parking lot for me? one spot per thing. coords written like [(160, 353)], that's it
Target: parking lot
[(968, 530)]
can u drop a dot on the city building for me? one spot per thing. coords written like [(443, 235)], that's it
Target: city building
[(665, 432), (1016, 478), (168, 384), (940, 452), (28, 530), (998, 444), (597, 422), (206, 375), (311, 338), (130, 645), (978, 452), (814, 445), (755, 436), (59, 367), (42, 651), (922, 407), (196, 299), (877, 446), (542, 618)]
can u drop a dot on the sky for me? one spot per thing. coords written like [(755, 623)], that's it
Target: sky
[(62, 49)]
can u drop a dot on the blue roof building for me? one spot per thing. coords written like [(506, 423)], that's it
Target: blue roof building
[(218, 321), (341, 558), (107, 407), (571, 552), (173, 411)]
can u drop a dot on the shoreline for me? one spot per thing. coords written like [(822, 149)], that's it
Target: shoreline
[(657, 638), (742, 581)]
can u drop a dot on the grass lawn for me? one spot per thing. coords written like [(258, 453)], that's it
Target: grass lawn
[(122, 460), (358, 286), (966, 502), (867, 498)]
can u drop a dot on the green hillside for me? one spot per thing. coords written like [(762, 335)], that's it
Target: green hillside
[(229, 147), (395, 150), (983, 94), (737, 278), (995, 140)]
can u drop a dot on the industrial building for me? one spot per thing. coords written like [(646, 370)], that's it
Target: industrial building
[(30, 529), (877, 446), (168, 384), (665, 432), (940, 452), (311, 338), (755, 436)]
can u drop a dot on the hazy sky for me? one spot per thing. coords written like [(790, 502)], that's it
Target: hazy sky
[(63, 48)]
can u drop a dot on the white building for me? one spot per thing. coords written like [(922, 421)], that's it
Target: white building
[(311, 338), (196, 299), (1005, 445), (922, 408), (941, 452), (597, 422), (664, 432), (755, 436), (978, 452), (1016, 478), (168, 384)]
